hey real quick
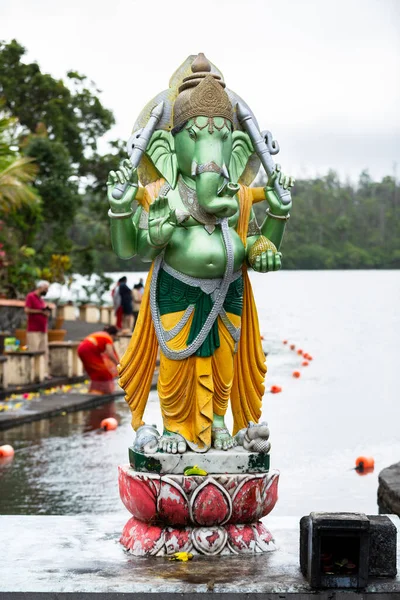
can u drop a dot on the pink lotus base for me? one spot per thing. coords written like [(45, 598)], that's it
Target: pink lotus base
[(143, 539), (216, 514)]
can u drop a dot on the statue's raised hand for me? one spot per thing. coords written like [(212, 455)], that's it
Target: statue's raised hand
[(285, 182), (122, 186), (163, 220)]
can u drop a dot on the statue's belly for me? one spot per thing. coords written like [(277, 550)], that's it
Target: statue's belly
[(197, 253)]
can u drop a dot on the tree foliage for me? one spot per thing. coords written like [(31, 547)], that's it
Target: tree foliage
[(336, 225), (72, 114), (58, 124)]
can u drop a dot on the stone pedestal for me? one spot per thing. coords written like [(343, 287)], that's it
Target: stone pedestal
[(23, 368), (67, 312), (106, 315), (89, 313), (211, 515), (64, 360)]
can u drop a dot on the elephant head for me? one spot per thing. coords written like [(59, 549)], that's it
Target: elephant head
[(209, 156)]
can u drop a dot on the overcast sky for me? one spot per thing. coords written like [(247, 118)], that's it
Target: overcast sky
[(322, 75)]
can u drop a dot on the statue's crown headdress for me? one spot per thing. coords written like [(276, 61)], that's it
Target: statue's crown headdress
[(201, 94)]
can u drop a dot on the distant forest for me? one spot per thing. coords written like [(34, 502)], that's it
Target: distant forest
[(333, 225)]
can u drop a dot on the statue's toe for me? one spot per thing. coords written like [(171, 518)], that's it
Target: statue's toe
[(182, 447)]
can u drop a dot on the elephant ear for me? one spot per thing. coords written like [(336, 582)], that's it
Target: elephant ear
[(242, 149), (161, 151)]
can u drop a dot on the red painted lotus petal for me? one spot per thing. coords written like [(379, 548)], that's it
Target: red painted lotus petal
[(241, 538), (263, 537), (248, 501), (270, 496), (142, 539), (209, 540), (210, 504), (172, 503), (178, 540), (138, 494)]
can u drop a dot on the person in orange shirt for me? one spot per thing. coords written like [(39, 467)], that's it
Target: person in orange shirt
[(100, 360)]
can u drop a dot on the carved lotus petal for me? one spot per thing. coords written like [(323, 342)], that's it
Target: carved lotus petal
[(242, 539), (139, 494), (263, 537), (178, 540), (142, 539), (209, 540), (210, 504), (270, 496), (248, 501), (172, 503)]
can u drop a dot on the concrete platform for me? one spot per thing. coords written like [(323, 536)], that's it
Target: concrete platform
[(45, 407), (79, 557)]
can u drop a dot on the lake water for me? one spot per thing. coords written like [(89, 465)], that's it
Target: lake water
[(345, 404)]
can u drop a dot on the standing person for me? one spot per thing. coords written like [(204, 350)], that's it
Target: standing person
[(137, 299), (126, 304), (116, 297), (141, 286), (38, 316), (100, 359)]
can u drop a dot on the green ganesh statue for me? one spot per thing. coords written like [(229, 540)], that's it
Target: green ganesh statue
[(195, 149)]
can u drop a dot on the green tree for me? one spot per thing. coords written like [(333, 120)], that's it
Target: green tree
[(72, 114), (59, 123)]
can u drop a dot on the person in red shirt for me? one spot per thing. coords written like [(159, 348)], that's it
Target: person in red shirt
[(38, 315), (100, 359)]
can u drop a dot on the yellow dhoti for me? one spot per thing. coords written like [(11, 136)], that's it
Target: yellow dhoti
[(191, 390)]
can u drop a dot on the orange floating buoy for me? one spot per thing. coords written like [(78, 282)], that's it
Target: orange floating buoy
[(300, 351), (6, 451), (275, 389), (305, 363), (285, 341), (109, 424), (309, 357), (292, 346), (296, 374), (365, 462)]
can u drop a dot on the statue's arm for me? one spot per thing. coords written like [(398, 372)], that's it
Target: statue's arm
[(129, 229), (123, 220), (265, 255), (278, 213), (262, 257)]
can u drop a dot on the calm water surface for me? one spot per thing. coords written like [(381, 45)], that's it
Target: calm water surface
[(346, 403)]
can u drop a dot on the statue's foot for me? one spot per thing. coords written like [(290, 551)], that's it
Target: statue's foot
[(222, 439), (256, 438), (146, 439), (173, 443)]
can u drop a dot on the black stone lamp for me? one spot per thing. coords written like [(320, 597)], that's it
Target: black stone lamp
[(340, 550)]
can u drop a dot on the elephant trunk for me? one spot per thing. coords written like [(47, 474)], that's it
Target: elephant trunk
[(214, 192)]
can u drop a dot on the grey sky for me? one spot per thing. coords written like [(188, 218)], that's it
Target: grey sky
[(322, 75)]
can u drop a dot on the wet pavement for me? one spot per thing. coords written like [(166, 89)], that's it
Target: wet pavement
[(81, 556)]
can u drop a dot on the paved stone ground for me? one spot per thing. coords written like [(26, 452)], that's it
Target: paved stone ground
[(50, 405), (79, 557)]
